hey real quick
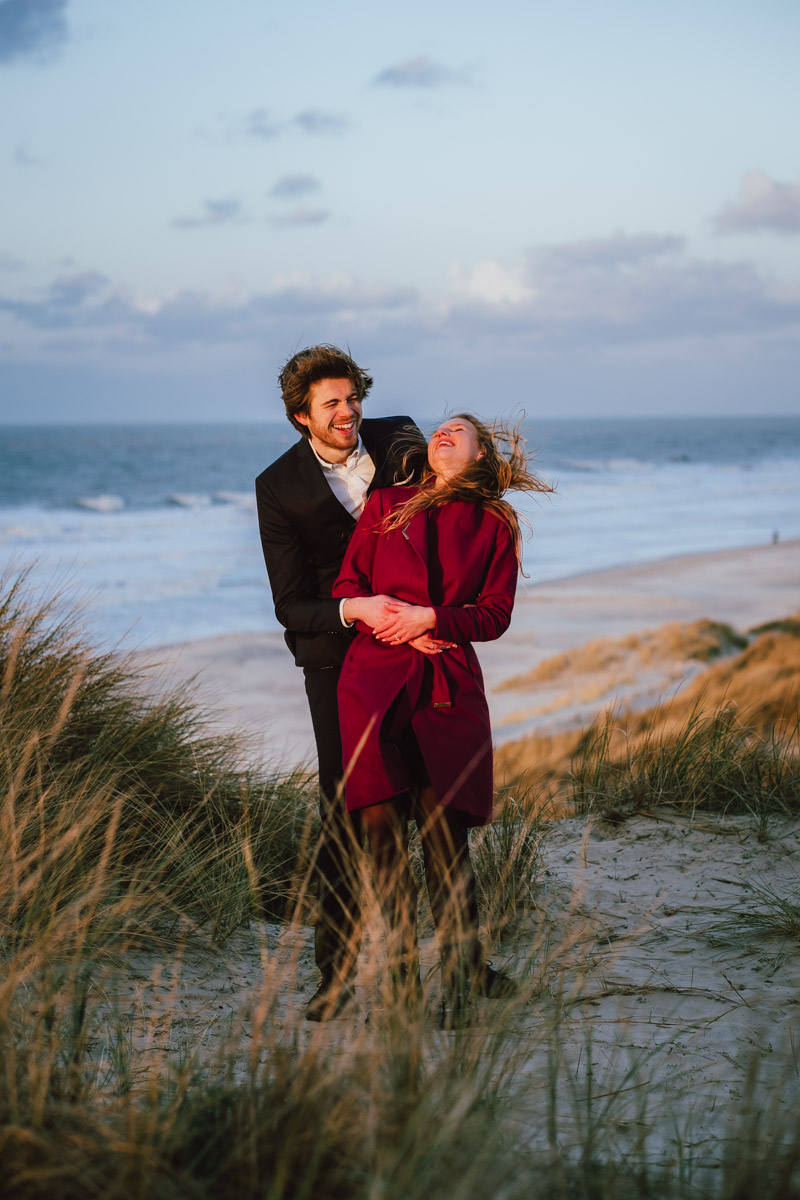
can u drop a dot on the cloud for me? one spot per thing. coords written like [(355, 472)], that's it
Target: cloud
[(315, 121), (31, 28), (491, 282), (257, 124), (86, 304), (420, 72), (289, 186), (764, 205), (616, 298), (300, 216), (619, 251), (616, 291), (217, 212), (70, 291), (71, 301)]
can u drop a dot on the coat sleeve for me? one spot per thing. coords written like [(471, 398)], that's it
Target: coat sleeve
[(489, 617), (355, 576), (291, 571)]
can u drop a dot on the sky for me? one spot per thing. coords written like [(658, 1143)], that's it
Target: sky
[(582, 209)]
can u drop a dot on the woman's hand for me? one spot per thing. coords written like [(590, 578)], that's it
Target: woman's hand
[(404, 622), (431, 645)]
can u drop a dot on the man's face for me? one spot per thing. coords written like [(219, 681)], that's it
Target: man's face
[(333, 418)]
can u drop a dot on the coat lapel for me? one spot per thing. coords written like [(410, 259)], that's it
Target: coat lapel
[(416, 535)]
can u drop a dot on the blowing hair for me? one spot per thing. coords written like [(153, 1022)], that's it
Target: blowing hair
[(505, 465), (309, 366)]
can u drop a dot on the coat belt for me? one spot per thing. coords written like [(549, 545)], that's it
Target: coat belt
[(440, 679)]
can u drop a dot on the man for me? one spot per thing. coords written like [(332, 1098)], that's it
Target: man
[(308, 503)]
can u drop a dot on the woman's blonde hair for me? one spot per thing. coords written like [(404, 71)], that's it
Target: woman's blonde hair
[(504, 465)]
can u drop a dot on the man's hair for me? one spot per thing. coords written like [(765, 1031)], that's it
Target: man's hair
[(308, 367)]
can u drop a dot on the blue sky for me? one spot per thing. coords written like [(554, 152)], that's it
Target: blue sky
[(584, 209)]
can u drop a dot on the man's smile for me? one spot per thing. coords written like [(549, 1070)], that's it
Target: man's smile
[(333, 418)]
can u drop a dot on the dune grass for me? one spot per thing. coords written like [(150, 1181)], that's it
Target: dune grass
[(703, 641), (100, 781), (124, 825), (506, 857), (394, 1109), (714, 762), (727, 742)]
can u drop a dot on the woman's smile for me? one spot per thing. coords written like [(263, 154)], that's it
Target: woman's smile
[(453, 447)]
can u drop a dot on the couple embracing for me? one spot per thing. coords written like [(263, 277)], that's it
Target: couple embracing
[(387, 559)]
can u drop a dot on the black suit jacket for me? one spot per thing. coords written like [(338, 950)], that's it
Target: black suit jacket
[(304, 534)]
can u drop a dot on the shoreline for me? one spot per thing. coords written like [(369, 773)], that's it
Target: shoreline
[(686, 557), (249, 683)]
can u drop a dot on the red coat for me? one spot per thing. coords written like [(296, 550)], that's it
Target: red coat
[(460, 560)]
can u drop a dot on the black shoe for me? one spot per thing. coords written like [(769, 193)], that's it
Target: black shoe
[(491, 984), (329, 1001)]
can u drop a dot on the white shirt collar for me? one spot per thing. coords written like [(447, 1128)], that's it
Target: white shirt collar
[(349, 463)]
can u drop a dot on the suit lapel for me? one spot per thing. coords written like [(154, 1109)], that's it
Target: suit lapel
[(377, 441), (319, 496)]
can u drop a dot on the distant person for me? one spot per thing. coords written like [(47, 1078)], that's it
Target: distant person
[(415, 726), (308, 502)]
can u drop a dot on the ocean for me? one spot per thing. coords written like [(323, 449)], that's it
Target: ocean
[(151, 529)]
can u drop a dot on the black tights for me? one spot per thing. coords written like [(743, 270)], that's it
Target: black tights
[(448, 875)]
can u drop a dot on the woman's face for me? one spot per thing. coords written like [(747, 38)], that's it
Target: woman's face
[(453, 447)]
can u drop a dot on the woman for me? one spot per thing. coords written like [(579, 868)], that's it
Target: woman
[(415, 724)]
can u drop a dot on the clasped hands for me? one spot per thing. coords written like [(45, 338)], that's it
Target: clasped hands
[(395, 621)]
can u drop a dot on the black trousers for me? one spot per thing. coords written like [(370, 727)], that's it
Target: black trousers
[(337, 933)]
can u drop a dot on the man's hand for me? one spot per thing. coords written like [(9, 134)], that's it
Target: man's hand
[(404, 622), (431, 645), (371, 610)]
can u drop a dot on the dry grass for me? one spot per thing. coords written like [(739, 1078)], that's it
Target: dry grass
[(712, 762), (121, 820), (393, 1109), (507, 857), (727, 741), (100, 781), (702, 641), (770, 914)]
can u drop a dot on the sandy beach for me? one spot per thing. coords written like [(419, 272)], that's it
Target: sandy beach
[(251, 685), (649, 940), (659, 970)]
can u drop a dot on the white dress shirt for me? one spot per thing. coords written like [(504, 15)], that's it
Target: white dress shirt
[(349, 482)]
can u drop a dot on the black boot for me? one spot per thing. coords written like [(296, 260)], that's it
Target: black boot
[(329, 1000), (492, 983)]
